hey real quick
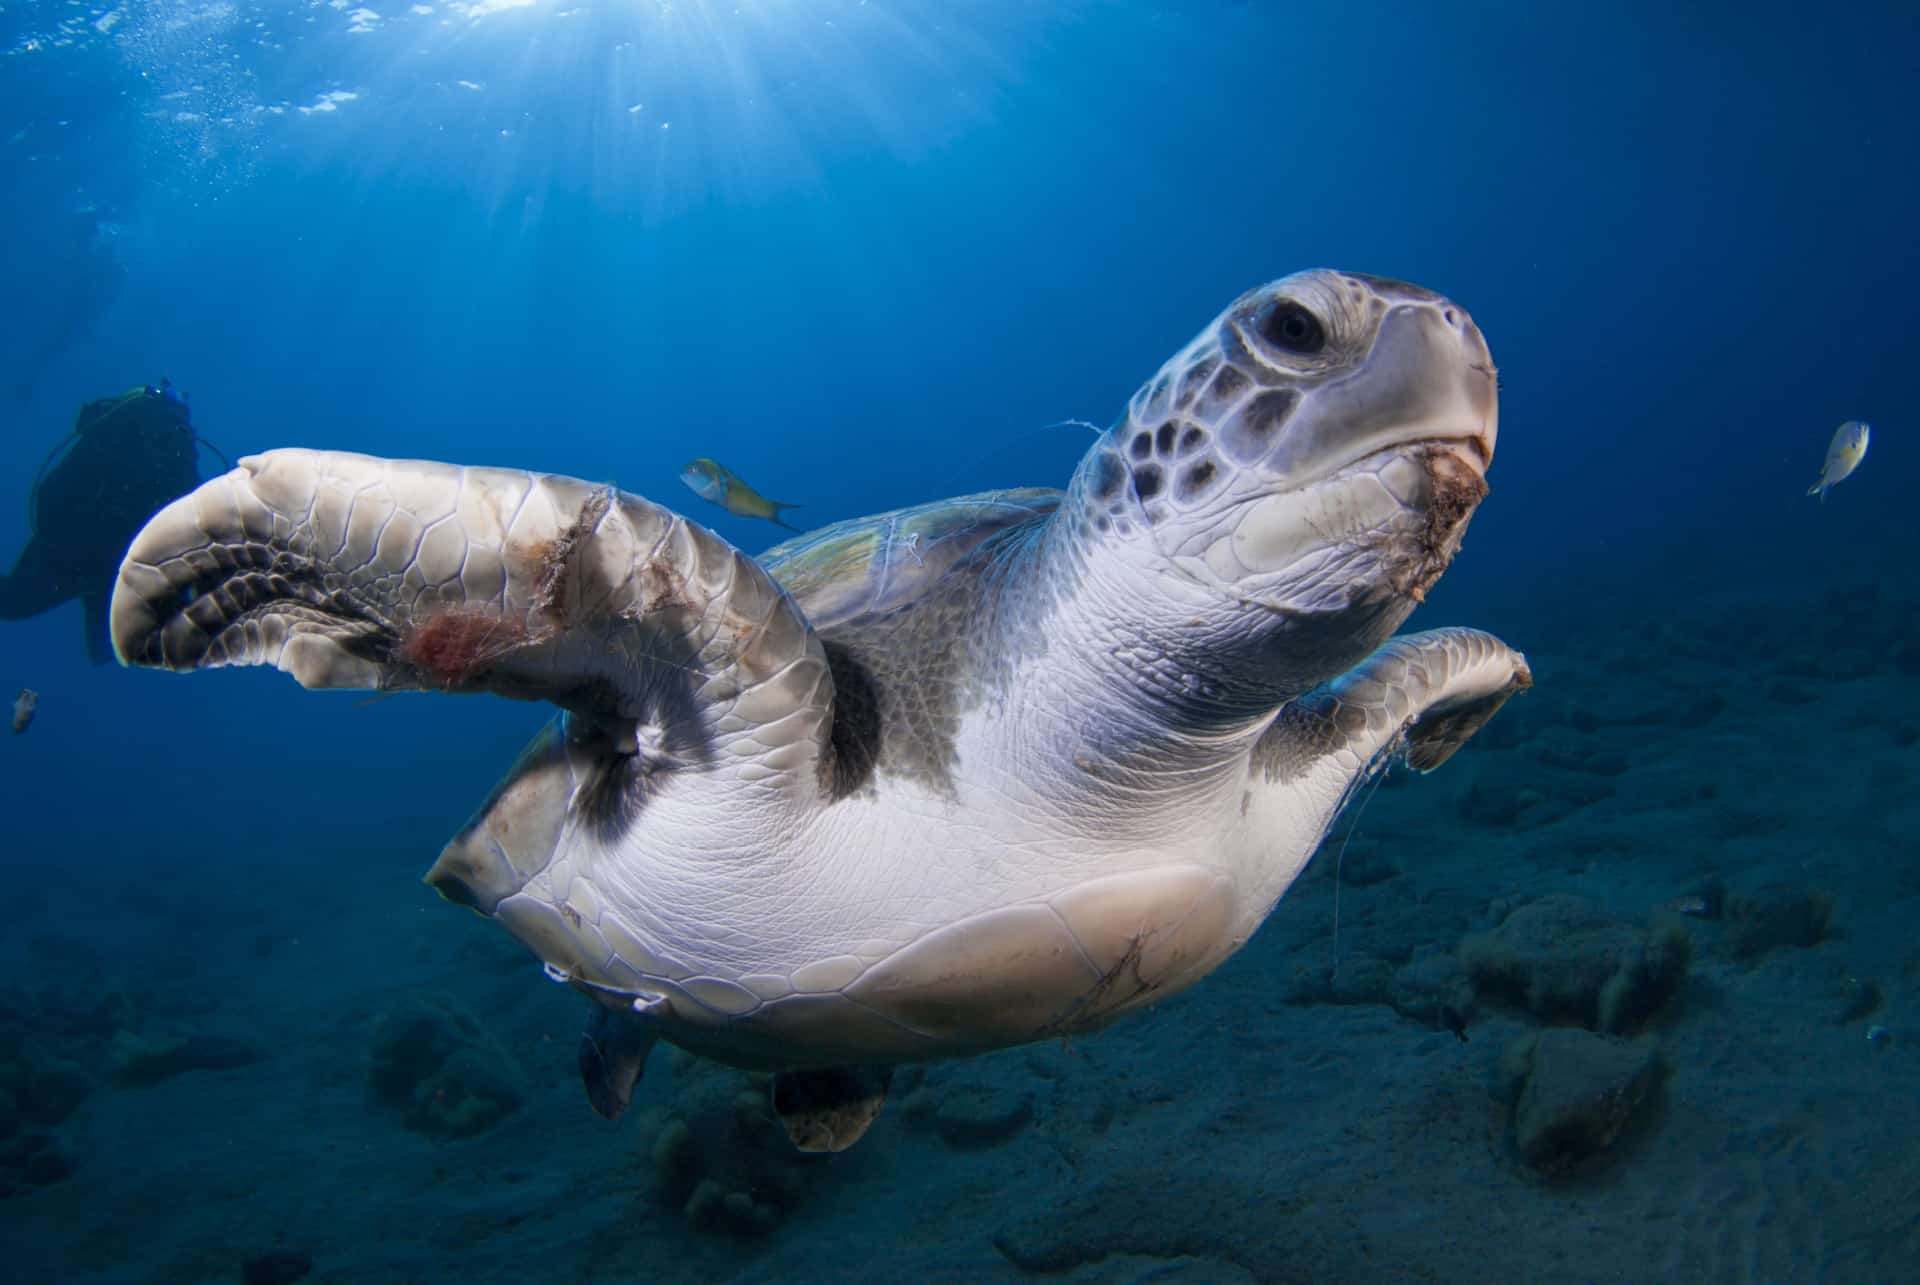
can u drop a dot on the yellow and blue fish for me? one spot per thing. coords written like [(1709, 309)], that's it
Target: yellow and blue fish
[(716, 482), (1844, 453)]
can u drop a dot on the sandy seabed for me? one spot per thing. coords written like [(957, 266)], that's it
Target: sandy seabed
[(213, 1105)]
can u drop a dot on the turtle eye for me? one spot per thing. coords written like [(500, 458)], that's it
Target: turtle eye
[(1289, 326)]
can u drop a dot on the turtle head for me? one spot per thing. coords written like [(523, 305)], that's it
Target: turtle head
[(1313, 455)]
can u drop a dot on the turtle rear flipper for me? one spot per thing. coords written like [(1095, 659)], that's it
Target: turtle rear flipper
[(830, 1109), (613, 1053), (350, 571)]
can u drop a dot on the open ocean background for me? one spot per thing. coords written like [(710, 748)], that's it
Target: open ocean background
[(869, 253)]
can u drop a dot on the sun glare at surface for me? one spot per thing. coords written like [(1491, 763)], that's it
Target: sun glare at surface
[(652, 105)]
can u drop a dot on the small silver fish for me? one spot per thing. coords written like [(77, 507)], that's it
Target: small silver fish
[(1844, 453), (23, 707)]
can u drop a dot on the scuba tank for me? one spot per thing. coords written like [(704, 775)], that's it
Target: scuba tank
[(107, 412)]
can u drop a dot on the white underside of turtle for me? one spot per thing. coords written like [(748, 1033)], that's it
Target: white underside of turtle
[(940, 781)]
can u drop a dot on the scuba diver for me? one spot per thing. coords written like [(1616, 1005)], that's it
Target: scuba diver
[(127, 457)]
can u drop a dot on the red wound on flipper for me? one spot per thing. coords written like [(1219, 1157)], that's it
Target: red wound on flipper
[(457, 645)]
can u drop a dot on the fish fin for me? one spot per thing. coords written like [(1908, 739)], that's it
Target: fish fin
[(779, 508), (1817, 489)]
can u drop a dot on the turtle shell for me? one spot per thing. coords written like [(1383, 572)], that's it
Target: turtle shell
[(869, 565)]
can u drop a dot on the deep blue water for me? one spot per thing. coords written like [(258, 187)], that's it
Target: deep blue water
[(868, 254)]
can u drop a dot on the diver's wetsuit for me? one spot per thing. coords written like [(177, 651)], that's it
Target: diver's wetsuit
[(131, 455)]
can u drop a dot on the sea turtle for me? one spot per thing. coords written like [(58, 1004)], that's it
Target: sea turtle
[(920, 785)]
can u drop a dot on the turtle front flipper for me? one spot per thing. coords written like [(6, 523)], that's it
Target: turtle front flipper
[(350, 571), (1421, 696), (1425, 694)]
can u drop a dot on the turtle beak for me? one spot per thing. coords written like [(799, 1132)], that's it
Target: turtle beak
[(1459, 455), (1421, 417), (1483, 388), (1458, 402), (1428, 383)]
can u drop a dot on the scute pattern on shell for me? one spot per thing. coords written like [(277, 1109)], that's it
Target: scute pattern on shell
[(904, 604), (868, 566)]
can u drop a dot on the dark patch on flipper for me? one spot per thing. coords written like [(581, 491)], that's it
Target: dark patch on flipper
[(830, 1109), (613, 1052), (1433, 739)]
